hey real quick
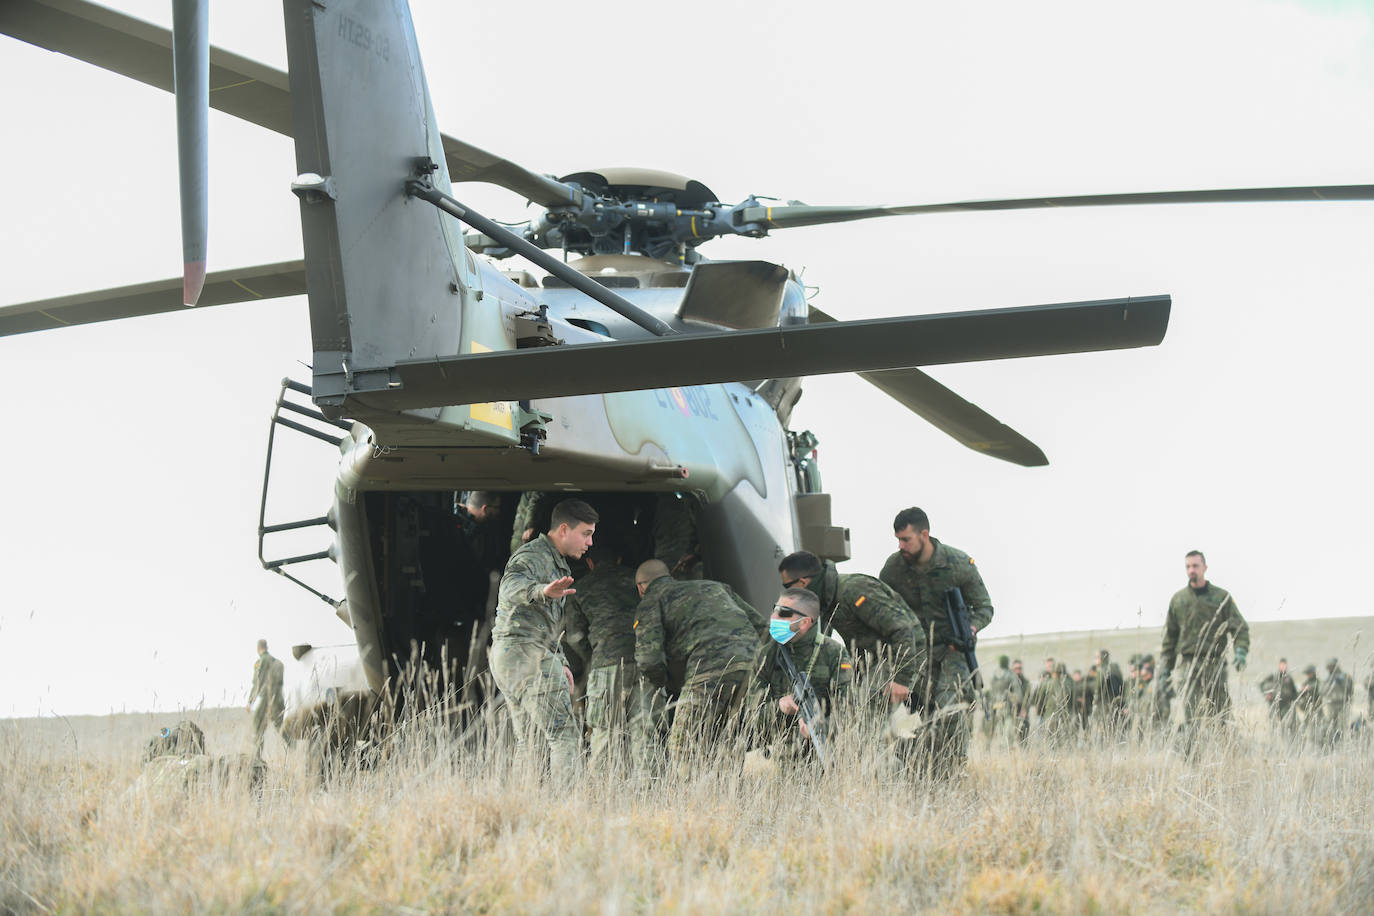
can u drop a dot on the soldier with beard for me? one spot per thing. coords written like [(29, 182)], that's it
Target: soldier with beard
[(1202, 618), (921, 571)]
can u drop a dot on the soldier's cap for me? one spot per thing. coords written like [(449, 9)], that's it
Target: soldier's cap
[(1331, 663), (1310, 669)]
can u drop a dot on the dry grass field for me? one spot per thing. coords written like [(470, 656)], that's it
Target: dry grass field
[(1104, 824)]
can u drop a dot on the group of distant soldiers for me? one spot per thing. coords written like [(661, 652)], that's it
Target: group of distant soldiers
[(673, 662), (1202, 621)]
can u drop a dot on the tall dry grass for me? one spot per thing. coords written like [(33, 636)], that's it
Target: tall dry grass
[(1104, 824)]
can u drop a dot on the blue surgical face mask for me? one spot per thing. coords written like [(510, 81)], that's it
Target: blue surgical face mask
[(780, 630)]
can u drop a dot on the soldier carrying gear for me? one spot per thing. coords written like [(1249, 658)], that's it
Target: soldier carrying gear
[(268, 674), (823, 662), (601, 634), (921, 571), (1280, 693), (870, 617), (710, 634), (1309, 704)]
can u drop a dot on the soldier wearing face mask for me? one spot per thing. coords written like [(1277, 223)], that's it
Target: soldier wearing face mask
[(793, 627)]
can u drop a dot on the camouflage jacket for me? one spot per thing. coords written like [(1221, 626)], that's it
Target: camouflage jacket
[(601, 616), (1340, 689), (1309, 695), (999, 687), (695, 626), (823, 660), (268, 673), (534, 510), (1019, 691), (1279, 690), (869, 615), (1198, 624), (923, 588), (523, 612)]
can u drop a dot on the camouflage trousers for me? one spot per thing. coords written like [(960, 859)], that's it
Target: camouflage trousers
[(1203, 684), (266, 711), (624, 714), (531, 679), (709, 708), (944, 700)]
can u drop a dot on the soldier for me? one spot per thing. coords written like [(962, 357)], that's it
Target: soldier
[(268, 674), (1337, 696), (1053, 703), (997, 699), (1309, 704), (921, 571), (1201, 617), (710, 634), (675, 535), (825, 662), (533, 514), (870, 617), (1020, 696), (1081, 697), (1109, 697), (1142, 705), (1280, 693), (601, 634), (527, 661)]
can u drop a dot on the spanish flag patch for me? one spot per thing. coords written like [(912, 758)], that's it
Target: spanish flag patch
[(636, 626), (845, 665), (862, 599)]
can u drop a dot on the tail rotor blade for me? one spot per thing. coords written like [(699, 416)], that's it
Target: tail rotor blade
[(191, 65)]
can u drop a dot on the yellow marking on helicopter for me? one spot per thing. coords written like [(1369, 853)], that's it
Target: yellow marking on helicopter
[(497, 413), (54, 318), (769, 217), (694, 228)]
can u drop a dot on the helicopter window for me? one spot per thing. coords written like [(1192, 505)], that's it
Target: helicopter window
[(587, 324), (609, 281)]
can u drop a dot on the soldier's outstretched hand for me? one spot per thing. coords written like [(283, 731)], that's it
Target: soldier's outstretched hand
[(559, 587), (896, 693)]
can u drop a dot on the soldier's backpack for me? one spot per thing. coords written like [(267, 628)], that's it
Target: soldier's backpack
[(181, 740)]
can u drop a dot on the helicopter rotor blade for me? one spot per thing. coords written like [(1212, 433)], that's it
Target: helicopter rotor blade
[(222, 287), (191, 65), (239, 86), (710, 358), (962, 420), (794, 216)]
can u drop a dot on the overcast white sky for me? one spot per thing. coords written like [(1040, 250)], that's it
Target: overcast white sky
[(133, 463)]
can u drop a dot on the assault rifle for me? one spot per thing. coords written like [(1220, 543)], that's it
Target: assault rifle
[(956, 613), (808, 707)]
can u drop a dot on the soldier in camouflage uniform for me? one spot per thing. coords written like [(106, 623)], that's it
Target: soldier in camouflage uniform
[(527, 661), (1337, 696), (601, 633), (1020, 700), (268, 674), (921, 571), (997, 700), (824, 661), (1279, 694), (870, 617), (675, 535), (1053, 703), (1369, 687), (1309, 704), (1201, 618), (710, 634), (533, 514)]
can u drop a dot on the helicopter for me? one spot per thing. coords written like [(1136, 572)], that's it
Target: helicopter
[(564, 387)]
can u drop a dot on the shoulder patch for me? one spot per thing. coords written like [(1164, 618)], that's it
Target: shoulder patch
[(636, 626), (970, 562), (862, 599), (846, 665)]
